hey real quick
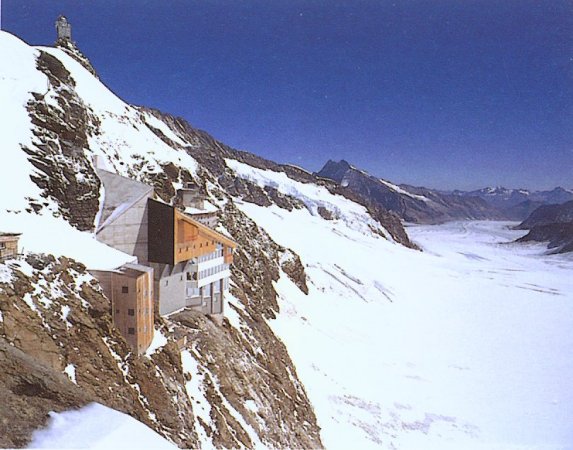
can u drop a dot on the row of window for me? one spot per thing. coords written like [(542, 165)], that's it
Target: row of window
[(194, 276), (195, 292), (213, 270), (195, 246), (209, 256)]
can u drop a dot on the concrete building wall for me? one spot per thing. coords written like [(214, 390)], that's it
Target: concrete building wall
[(128, 232), (144, 312), (122, 303), (175, 289), (170, 286), (210, 298)]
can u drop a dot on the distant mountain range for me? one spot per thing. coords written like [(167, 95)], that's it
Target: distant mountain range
[(517, 204), (423, 205)]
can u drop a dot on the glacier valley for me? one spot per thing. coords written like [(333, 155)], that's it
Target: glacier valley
[(462, 346)]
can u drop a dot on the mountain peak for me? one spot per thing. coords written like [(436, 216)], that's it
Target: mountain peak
[(335, 170)]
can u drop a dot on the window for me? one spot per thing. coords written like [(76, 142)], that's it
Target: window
[(117, 311), (181, 279), (124, 290), (131, 331), (131, 312), (166, 282), (2, 245)]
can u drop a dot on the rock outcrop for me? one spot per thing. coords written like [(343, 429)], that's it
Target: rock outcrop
[(558, 236), (62, 124), (548, 214), (552, 224), (60, 351)]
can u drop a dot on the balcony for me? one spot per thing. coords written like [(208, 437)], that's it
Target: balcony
[(207, 276)]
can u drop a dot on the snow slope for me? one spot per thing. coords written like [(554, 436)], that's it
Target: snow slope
[(125, 133), (399, 190), (463, 346), (313, 196), (97, 427)]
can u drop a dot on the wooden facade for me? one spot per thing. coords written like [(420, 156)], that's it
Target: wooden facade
[(130, 290), (175, 237), (8, 245)]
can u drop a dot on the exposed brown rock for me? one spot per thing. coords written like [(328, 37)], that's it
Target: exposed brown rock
[(65, 174)]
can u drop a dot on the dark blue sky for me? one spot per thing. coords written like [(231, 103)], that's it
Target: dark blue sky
[(442, 93)]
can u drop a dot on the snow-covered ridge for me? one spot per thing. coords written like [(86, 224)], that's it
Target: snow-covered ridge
[(392, 186), (312, 195), (38, 96), (125, 137)]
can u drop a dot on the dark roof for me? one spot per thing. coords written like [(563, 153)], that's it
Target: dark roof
[(2, 234)]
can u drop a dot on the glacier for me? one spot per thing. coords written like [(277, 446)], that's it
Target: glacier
[(465, 345)]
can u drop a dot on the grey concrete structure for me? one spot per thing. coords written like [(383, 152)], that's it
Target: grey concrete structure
[(190, 196), (157, 234), (63, 29), (123, 220)]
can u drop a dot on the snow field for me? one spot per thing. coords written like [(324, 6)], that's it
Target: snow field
[(462, 346)]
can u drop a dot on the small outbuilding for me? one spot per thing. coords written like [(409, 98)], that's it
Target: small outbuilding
[(8, 245)]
